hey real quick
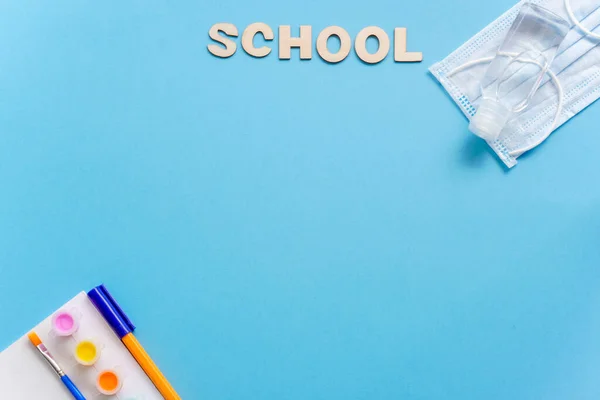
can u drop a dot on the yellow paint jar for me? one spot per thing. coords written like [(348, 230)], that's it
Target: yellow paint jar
[(87, 352)]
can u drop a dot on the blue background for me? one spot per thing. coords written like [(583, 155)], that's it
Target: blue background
[(292, 229)]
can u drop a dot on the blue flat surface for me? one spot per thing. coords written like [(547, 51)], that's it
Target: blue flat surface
[(291, 229)]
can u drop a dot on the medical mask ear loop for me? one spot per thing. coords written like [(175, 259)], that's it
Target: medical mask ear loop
[(577, 22), (555, 81)]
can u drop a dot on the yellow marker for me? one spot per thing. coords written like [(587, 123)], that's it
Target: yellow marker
[(144, 360), (120, 323)]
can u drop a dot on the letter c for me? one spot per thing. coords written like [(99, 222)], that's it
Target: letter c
[(248, 39)]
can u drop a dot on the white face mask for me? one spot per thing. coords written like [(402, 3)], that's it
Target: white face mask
[(572, 83)]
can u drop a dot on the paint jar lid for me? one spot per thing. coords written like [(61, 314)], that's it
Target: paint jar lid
[(65, 322), (109, 382), (87, 352)]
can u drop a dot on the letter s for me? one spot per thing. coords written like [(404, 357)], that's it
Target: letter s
[(230, 46)]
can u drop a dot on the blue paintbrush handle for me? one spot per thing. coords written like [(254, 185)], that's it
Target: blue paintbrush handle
[(72, 388)]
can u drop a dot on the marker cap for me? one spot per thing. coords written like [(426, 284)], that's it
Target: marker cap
[(111, 311)]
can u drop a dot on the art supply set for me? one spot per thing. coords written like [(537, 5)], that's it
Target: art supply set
[(85, 350)]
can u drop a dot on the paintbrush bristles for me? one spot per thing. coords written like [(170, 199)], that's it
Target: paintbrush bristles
[(35, 339)]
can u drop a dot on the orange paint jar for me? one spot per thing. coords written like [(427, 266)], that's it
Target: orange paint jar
[(109, 382)]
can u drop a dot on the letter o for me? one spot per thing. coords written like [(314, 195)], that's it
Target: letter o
[(360, 45), (345, 44)]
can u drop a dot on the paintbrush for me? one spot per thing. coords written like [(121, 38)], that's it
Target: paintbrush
[(35, 339)]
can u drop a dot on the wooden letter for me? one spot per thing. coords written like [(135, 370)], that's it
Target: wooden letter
[(360, 45), (286, 42), (248, 39), (230, 46), (400, 54), (345, 44)]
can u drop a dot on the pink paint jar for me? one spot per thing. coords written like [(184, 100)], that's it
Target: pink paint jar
[(65, 322)]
